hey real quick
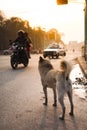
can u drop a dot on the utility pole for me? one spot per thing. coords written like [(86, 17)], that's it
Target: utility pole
[(85, 46)]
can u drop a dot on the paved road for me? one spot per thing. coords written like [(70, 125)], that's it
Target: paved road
[(21, 99)]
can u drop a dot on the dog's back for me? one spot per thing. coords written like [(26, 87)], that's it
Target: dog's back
[(49, 75)]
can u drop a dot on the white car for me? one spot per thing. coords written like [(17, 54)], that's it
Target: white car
[(54, 50), (8, 51)]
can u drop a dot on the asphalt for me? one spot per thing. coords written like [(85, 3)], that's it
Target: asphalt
[(83, 65)]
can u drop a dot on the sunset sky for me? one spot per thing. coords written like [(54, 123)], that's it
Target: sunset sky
[(67, 19)]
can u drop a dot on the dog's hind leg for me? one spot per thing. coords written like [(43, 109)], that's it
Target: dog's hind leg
[(61, 100), (45, 93), (55, 97), (69, 93)]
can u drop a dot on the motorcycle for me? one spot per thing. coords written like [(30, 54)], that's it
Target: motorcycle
[(19, 55)]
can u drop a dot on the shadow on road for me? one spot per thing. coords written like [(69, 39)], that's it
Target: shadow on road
[(50, 121)]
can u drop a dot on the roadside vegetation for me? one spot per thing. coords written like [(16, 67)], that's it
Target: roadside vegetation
[(9, 28)]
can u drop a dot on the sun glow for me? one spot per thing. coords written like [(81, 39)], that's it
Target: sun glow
[(68, 19)]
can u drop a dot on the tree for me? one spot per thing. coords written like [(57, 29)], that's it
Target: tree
[(9, 29)]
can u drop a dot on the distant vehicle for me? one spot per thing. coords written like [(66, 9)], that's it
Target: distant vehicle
[(54, 50), (8, 51)]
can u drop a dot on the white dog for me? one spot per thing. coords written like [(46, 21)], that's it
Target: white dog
[(57, 80)]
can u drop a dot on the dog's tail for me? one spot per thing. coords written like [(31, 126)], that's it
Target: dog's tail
[(66, 67)]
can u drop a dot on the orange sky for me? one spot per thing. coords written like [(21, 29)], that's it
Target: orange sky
[(68, 19)]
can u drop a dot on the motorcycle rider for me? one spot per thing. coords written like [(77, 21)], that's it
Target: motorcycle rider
[(21, 38)]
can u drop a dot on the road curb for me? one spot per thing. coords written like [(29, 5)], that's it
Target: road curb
[(83, 65)]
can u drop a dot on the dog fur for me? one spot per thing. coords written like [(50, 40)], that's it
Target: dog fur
[(58, 80)]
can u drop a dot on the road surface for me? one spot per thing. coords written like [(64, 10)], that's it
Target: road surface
[(21, 100)]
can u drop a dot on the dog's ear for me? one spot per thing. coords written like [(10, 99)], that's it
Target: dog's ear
[(41, 59)]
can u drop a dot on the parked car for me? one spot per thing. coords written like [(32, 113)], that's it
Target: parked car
[(54, 50), (7, 51)]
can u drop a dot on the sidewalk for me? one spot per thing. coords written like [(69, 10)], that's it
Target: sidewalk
[(83, 65)]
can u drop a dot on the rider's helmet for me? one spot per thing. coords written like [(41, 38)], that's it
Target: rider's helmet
[(20, 33)]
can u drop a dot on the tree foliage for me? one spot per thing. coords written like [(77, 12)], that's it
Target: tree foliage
[(10, 27)]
